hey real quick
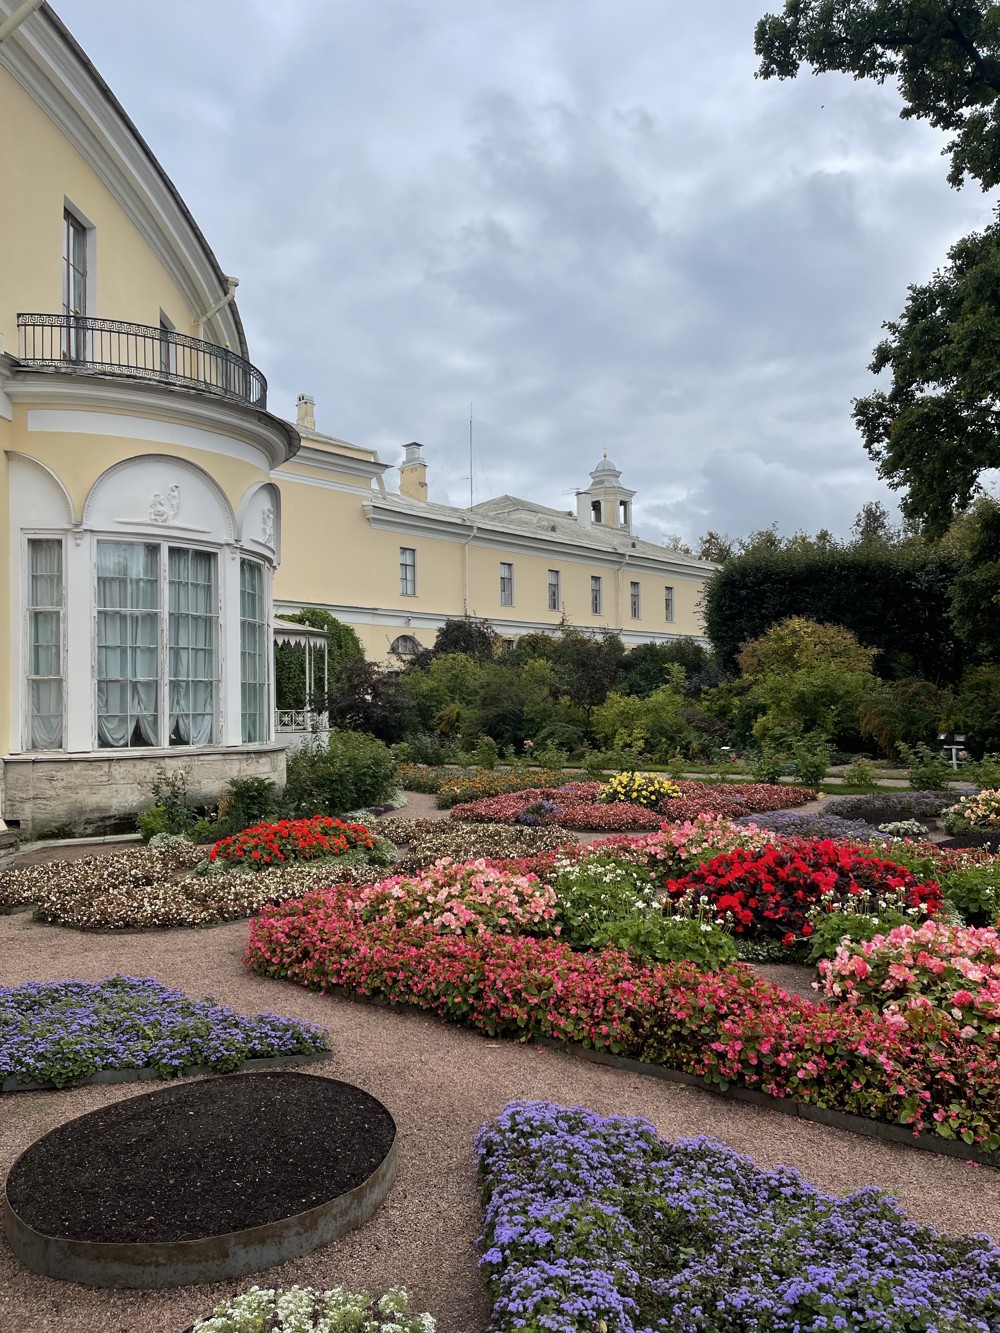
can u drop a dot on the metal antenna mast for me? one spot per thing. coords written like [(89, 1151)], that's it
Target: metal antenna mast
[(471, 500)]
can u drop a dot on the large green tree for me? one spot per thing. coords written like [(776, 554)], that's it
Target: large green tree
[(936, 429), (943, 54)]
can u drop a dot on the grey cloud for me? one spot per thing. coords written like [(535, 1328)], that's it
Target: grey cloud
[(590, 220)]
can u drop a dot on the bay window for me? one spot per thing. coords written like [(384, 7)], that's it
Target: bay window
[(152, 667)]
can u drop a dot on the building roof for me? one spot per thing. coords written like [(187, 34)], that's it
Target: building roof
[(510, 516)]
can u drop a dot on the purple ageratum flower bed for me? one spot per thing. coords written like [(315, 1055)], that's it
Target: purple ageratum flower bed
[(66, 1031), (595, 1222), (794, 825)]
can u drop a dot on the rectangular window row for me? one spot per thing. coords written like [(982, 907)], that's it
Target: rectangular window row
[(408, 587), (158, 677)]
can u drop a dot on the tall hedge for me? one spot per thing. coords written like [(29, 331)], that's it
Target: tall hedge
[(895, 599)]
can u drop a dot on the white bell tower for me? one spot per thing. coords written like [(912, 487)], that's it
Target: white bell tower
[(606, 502)]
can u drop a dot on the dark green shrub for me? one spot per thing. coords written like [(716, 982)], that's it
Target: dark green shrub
[(810, 759), (928, 771), (889, 807), (351, 772), (246, 802), (151, 821), (664, 939), (975, 893)]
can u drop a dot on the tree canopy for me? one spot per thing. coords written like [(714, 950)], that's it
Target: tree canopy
[(937, 428), (943, 54)]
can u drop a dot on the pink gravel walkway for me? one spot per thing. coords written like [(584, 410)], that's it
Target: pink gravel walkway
[(440, 1083)]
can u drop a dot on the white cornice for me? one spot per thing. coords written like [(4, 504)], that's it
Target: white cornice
[(327, 461), (402, 619), (59, 80), (201, 411), (496, 536)]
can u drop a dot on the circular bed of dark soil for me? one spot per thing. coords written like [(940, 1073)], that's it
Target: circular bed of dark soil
[(235, 1159)]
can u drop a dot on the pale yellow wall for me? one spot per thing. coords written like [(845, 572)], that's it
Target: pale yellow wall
[(332, 556), (79, 459), (41, 170), (531, 593)]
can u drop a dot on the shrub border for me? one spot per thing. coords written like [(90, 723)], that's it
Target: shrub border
[(148, 1073)]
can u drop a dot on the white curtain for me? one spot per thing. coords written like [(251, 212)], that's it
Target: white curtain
[(193, 654), (45, 598), (128, 643), (253, 655)]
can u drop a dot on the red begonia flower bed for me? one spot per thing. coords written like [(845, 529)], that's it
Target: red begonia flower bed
[(730, 1027), (771, 892), (291, 840)]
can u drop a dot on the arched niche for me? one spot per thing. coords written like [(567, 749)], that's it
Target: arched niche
[(259, 520), (156, 493), (38, 499)]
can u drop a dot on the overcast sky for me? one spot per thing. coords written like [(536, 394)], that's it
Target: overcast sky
[(585, 217)]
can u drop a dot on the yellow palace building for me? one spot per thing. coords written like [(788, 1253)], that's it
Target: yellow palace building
[(156, 512)]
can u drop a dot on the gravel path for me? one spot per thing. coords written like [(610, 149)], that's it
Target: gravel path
[(440, 1083)]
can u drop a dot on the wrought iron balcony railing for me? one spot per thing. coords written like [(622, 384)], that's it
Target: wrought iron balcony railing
[(137, 351)]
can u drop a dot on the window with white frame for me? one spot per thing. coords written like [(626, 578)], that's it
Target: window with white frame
[(128, 644), (253, 651), (157, 677), (506, 584), (634, 599), (407, 571), (45, 643), (668, 604), (75, 280), (192, 628), (596, 595), (554, 599)]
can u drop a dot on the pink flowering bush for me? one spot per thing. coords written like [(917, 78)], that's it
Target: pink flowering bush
[(462, 898), (953, 970), (576, 805), (730, 1027)]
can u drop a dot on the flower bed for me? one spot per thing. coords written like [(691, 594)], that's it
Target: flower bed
[(732, 1027), (451, 785), (639, 789), (121, 871), (979, 813), (577, 806), (463, 898), (430, 839), (772, 893), (134, 891), (954, 970), (597, 1223), (303, 1310), (64, 1031), (791, 824), (882, 807), (319, 838)]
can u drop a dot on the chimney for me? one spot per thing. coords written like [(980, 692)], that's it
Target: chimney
[(584, 513), (413, 473), (305, 411)]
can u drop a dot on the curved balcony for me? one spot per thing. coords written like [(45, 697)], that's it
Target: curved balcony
[(137, 351)]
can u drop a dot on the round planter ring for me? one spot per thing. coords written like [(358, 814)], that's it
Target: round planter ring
[(207, 1259)]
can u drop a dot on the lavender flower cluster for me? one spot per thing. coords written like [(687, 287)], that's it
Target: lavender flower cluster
[(792, 824), (598, 1223), (64, 1031)]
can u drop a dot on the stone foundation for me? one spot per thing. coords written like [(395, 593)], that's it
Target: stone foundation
[(78, 794)]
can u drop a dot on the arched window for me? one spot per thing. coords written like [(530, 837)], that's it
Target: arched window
[(405, 646)]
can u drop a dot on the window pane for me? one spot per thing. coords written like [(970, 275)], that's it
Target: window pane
[(253, 652), (128, 644), (668, 603), (595, 595), (192, 655), (407, 571), (44, 648), (553, 590)]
